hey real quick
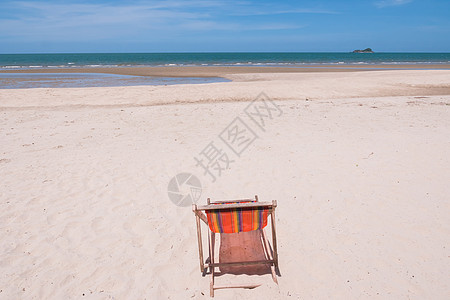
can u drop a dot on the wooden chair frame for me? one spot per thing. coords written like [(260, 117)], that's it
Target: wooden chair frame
[(271, 254)]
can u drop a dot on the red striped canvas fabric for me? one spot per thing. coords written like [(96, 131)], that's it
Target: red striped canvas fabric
[(237, 219)]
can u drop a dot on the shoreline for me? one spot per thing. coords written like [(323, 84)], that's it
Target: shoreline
[(223, 71), (242, 87)]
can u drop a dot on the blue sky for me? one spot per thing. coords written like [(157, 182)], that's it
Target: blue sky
[(205, 25)]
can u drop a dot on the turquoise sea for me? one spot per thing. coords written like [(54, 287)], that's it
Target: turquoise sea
[(64, 60)]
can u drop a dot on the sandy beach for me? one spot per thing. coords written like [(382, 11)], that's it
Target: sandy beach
[(359, 162)]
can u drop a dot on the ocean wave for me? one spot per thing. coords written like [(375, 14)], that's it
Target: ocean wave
[(226, 64)]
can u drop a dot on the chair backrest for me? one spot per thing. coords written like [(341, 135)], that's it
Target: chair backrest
[(235, 220), (237, 216)]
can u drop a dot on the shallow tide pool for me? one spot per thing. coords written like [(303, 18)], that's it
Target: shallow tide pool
[(76, 80)]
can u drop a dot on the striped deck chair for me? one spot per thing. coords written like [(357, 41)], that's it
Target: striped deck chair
[(244, 247)]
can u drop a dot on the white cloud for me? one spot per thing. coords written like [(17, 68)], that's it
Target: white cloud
[(252, 12), (65, 21), (386, 3), (53, 21), (229, 26)]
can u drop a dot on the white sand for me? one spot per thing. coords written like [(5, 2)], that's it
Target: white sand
[(361, 174)]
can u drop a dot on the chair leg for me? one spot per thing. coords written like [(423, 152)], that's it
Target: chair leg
[(269, 255), (200, 246), (211, 284), (212, 238), (274, 239)]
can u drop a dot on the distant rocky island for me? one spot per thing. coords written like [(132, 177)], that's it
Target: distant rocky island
[(367, 50)]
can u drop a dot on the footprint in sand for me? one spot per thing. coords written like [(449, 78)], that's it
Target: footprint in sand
[(98, 225), (136, 226), (72, 232)]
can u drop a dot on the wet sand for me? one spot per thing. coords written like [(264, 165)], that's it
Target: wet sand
[(212, 71)]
